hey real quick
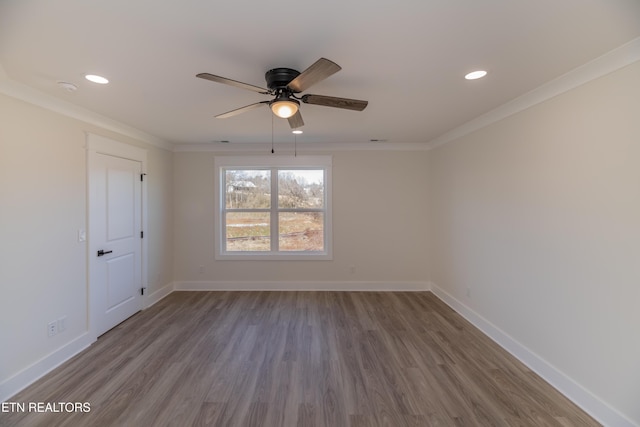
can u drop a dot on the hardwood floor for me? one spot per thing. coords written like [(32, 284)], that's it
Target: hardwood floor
[(297, 359)]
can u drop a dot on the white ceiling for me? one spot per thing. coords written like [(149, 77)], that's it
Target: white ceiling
[(406, 57)]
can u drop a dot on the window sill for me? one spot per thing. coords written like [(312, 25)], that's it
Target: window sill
[(294, 256)]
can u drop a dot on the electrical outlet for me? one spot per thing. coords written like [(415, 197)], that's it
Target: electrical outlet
[(352, 269), (52, 328)]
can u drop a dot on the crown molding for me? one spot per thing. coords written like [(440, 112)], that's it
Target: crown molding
[(614, 60), (25, 93), (611, 61), (291, 148)]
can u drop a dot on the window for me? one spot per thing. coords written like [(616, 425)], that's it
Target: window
[(273, 207)]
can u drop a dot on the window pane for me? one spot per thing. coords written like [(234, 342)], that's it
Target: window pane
[(301, 188), (247, 189), (248, 231), (301, 231)]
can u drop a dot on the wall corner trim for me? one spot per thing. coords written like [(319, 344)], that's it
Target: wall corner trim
[(590, 403)]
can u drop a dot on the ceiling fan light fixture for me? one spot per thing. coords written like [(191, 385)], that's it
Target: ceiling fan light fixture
[(284, 107)]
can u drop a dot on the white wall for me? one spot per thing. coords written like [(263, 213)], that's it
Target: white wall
[(379, 205), (43, 267), (538, 218), (159, 232)]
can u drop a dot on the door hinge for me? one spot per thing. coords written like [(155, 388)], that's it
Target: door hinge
[(142, 176), (142, 291), (142, 234)]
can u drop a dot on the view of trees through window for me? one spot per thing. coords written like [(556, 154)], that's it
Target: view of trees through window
[(293, 204)]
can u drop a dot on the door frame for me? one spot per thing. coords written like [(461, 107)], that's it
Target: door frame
[(97, 144)]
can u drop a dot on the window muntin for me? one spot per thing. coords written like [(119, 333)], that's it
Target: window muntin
[(275, 212)]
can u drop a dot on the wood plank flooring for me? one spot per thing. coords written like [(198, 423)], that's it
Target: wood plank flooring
[(297, 359)]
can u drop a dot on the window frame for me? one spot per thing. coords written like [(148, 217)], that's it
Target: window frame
[(275, 164)]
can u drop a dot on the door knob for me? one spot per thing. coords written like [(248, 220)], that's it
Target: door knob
[(102, 252)]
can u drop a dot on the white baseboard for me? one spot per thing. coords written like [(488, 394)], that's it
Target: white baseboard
[(37, 370), (591, 404), (363, 286), (29, 375), (156, 296)]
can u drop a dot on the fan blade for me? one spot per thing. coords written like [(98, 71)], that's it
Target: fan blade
[(296, 121), (332, 101), (320, 70), (230, 82), (241, 110)]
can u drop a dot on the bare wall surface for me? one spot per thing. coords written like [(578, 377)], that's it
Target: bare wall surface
[(43, 266), (535, 224), (379, 227)]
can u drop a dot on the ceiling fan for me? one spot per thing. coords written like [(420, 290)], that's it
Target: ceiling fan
[(283, 84)]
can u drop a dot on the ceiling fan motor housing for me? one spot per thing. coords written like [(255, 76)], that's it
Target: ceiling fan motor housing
[(279, 78)]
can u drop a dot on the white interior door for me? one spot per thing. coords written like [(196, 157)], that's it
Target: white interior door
[(115, 205)]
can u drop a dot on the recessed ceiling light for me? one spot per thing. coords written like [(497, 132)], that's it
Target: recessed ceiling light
[(297, 131), (475, 75), (96, 79)]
